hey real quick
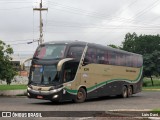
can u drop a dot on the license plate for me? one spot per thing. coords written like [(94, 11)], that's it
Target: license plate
[(39, 97)]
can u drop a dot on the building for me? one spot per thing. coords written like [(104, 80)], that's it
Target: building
[(22, 63)]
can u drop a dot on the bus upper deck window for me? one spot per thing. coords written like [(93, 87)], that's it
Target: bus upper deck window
[(50, 51)]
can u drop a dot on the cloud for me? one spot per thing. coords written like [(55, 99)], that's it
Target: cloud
[(99, 21)]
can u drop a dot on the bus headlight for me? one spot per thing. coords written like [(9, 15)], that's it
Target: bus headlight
[(55, 96), (29, 87), (28, 94)]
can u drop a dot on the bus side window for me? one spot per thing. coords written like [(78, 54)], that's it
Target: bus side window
[(75, 52), (111, 58), (102, 57), (135, 61), (129, 60), (91, 55), (120, 59)]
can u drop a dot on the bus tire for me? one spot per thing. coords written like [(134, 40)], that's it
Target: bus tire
[(124, 92), (130, 91), (81, 96)]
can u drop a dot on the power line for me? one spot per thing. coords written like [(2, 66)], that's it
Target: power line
[(97, 15), (109, 27), (11, 2), (79, 23), (16, 8), (25, 42), (86, 13), (18, 40), (142, 12)]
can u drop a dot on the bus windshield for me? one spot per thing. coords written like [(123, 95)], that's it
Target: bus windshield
[(50, 51), (44, 75)]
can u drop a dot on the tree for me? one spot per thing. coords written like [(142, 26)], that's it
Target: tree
[(149, 47), (143, 44), (129, 42), (151, 65), (7, 71)]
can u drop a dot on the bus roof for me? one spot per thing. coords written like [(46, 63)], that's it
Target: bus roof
[(76, 42)]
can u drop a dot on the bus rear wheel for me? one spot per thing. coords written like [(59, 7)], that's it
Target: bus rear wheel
[(124, 92), (130, 91), (81, 96)]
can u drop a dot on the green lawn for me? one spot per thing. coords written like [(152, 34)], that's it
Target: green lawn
[(147, 82), (12, 87), (157, 110)]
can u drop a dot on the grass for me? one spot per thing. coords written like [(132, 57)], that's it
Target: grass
[(13, 87), (147, 82), (157, 110)]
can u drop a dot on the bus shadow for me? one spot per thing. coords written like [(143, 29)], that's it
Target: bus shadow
[(105, 98), (53, 103)]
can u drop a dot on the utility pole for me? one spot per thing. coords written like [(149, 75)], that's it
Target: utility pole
[(40, 9)]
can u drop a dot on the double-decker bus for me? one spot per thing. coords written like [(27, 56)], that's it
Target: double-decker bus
[(75, 70)]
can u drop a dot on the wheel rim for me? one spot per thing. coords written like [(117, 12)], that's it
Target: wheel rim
[(80, 95), (125, 93)]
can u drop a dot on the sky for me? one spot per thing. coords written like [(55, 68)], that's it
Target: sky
[(97, 21)]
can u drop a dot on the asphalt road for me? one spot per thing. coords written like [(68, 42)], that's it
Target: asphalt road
[(141, 101)]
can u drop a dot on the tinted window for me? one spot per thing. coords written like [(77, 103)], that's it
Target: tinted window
[(91, 55), (129, 60), (102, 57), (75, 52), (135, 58), (120, 59), (50, 51), (112, 57), (139, 61), (44, 74)]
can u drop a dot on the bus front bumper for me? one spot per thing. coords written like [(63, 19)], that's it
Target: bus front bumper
[(53, 95)]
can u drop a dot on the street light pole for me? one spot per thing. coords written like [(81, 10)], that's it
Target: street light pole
[(40, 9)]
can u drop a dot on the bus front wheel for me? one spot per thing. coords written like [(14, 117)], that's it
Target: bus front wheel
[(81, 96)]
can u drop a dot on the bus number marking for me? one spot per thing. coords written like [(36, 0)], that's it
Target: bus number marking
[(130, 71), (86, 69)]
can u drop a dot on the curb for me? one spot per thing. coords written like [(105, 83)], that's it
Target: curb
[(13, 92), (151, 89)]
